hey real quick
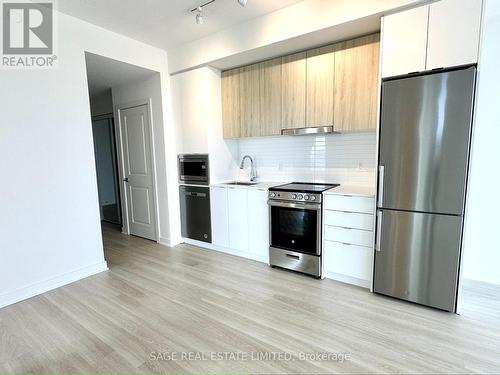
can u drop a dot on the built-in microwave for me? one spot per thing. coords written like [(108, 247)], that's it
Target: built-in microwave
[(193, 169)]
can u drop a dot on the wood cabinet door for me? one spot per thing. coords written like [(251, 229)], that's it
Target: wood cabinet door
[(293, 91), (231, 115), (270, 97), (404, 41), (320, 86), (356, 83), (249, 101), (454, 28)]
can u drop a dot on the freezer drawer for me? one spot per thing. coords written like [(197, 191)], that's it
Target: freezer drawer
[(418, 257), (424, 141)]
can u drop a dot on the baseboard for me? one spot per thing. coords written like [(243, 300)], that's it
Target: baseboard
[(348, 279), (164, 241), (225, 250), (37, 288)]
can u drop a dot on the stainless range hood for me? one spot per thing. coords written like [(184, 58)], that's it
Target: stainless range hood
[(309, 131)]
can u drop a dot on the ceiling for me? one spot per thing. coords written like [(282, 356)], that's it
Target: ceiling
[(167, 23), (104, 73)]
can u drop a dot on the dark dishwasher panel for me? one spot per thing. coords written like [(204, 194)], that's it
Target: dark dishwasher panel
[(195, 213)]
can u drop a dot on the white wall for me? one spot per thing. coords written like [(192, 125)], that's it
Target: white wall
[(481, 246), (299, 24), (50, 218), (348, 159), (196, 97), (145, 89)]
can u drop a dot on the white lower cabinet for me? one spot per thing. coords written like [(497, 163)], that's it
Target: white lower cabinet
[(349, 260), (348, 223), (237, 199), (219, 216), (258, 223), (240, 221)]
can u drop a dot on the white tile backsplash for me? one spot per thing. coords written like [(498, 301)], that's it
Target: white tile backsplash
[(348, 159)]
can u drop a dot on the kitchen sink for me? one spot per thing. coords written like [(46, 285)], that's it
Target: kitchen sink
[(242, 183)]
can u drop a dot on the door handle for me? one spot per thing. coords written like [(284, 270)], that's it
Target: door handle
[(379, 230), (381, 172), (125, 179)]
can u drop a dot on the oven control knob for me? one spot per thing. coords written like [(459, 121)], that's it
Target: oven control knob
[(313, 198), (301, 196), (306, 197), (272, 195), (294, 196)]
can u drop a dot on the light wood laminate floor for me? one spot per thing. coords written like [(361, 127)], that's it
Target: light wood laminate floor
[(157, 299)]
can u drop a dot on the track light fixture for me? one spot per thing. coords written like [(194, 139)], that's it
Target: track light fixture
[(199, 9)]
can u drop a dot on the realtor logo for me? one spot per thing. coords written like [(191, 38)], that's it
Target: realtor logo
[(27, 34)]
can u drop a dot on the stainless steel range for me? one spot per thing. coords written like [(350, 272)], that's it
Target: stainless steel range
[(295, 212)]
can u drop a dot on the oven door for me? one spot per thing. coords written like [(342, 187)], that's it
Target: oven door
[(295, 226), (193, 170)]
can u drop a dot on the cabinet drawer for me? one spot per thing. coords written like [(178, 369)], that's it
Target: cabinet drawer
[(349, 219), (350, 260), (349, 203), (349, 236)]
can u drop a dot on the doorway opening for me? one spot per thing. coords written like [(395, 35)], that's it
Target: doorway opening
[(121, 100)]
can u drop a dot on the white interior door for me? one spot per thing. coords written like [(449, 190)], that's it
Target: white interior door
[(138, 171)]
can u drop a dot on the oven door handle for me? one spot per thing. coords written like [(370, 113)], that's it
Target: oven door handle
[(303, 206)]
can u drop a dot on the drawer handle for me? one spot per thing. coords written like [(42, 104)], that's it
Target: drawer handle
[(296, 257), (345, 243), (347, 228)]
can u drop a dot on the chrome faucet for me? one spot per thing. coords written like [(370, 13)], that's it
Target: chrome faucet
[(253, 171)]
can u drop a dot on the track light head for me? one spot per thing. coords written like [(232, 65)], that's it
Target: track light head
[(199, 16), (242, 2)]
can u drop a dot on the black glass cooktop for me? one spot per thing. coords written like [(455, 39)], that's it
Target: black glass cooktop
[(304, 187)]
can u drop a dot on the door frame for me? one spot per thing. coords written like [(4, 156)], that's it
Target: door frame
[(118, 108)]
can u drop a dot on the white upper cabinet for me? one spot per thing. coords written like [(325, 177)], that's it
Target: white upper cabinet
[(404, 41), (454, 29), (440, 35)]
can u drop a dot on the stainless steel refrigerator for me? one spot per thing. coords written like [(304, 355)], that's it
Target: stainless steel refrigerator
[(425, 133)]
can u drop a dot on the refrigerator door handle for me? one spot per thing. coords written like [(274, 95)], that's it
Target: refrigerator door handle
[(381, 171), (379, 230)]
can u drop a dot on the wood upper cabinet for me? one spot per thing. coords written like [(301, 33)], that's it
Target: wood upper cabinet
[(293, 91), (331, 85), (270, 97), (320, 86), (249, 101), (231, 108), (356, 81)]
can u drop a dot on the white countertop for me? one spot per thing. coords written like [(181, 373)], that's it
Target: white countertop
[(260, 185), (360, 191)]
